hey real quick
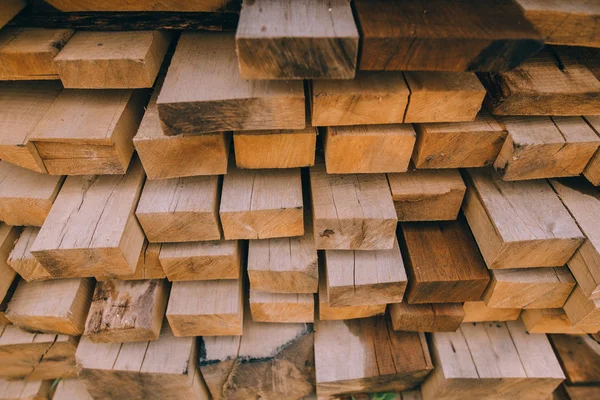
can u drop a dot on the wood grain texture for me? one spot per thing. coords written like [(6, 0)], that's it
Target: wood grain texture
[(148, 266), (368, 148), (518, 224), (371, 98), (581, 392), (367, 355), (362, 278), (261, 204), (70, 389), (552, 82), (583, 312), (282, 307), (545, 147), (496, 360), (284, 265), (426, 317), (26, 196), (275, 149), (421, 195), (91, 228), (28, 53), (478, 311), (112, 60), (269, 361), (443, 262), (159, 369), (441, 36), (127, 311), (25, 390), (352, 212), (206, 308), (204, 92), (458, 145), (443, 96), (529, 288), (23, 262), (56, 306), (579, 357), (9, 9), (22, 106), (290, 40), (575, 23), (89, 131), (35, 356), (583, 202), (201, 260), (145, 5), (8, 237), (549, 320), (180, 209), (592, 170)]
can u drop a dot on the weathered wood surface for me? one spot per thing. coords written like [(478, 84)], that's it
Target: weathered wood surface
[(282, 307), (426, 317), (71, 389), (9, 9), (592, 170), (25, 390), (478, 311), (23, 262), (146, 5), (579, 357), (8, 237)]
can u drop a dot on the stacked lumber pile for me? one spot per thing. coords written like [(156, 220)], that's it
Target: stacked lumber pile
[(299, 199)]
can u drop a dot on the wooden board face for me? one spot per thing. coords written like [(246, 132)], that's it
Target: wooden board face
[(437, 35), (592, 170), (146, 5), (579, 357), (478, 311), (426, 317), (286, 40), (549, 320), (282, 307), (23, 262)]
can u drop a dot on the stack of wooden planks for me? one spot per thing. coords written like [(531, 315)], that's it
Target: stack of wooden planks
[(300, 199)]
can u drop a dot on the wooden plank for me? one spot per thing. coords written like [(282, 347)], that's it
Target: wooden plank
[(177, 156), (56, 306), (158, 369), (284, 265), (496, 360), (201, 260), (443, 96), (582, 392), (352, 212), (204, 92), (8, 237), (25, 390), (552, 82), (360, 278), (426, 317), (442, 36), (368, 148), (146, 5), (545, 147), (26, 196), (583, 312), (478, 311), (460, 144), (370, 98), (282, 307), (22, 106), (127, 311), (579, 357), (36, 356), (9, 9), (583, 202), (366, 355), (112, 60), (270, 361), (261, 204), (71, 389), (91, 229), (518, 224), (443, 263), (421, 195), (286, 40), (549, 320), (529, 288), (592, 170), (180, 209), (89, 131), (28, 53), (329, 313), (574, 23), (275, 149), (206, 308), (148, 266)]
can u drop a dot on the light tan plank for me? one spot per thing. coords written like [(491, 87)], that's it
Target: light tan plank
[(71, 389), (282, 307), (478, 311), (549, 320), (592, 170)]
